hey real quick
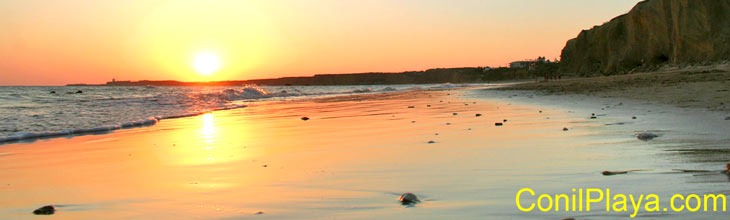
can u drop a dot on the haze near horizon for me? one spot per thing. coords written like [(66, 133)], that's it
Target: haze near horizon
[(79, 41)]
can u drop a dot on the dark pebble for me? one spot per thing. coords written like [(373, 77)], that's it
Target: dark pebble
[(594, 117), (455, 113), (498, 124), (479, 115), (45, 210), (408, 199), (645, 136), (565, 129), (305, 118), (411, 106), (505, 120), (633, 117), (431, 142), (610, 173)]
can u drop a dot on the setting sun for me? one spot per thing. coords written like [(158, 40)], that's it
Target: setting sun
[(206, 63)]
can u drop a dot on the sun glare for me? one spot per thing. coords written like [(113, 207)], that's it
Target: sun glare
[(206, 63)]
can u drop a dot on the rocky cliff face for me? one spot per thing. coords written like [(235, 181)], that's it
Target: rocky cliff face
[(652, 33)]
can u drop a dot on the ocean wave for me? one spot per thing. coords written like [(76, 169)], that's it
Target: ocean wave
[(149, 121), (36, 114)]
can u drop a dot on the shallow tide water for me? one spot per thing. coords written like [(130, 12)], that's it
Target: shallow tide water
[(357, 154)]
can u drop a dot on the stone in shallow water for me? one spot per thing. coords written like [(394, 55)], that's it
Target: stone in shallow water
[(408, 199), (45, 210), (611, 173), (645, 136)]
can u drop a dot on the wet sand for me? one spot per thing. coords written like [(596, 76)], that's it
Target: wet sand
[(689, 86), (356, 155)]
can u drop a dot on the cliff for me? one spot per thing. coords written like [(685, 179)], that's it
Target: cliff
[(653, 33)]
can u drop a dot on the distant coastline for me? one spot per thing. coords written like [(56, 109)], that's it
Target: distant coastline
[(431, 76)]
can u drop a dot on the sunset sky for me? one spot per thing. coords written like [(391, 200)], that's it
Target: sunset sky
[(46, 42)]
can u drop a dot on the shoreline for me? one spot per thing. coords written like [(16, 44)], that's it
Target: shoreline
[(687, 87), (347, 161), (151, 120)]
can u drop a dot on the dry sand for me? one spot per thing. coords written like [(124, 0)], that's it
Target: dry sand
[(357, 154), (692, 86)]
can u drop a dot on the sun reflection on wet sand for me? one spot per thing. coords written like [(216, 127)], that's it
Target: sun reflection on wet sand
[(208, 144), (352, 159)]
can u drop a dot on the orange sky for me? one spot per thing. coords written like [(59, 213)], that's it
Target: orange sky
[(44, 42)]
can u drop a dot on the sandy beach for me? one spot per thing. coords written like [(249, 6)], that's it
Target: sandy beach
[(700, 86), (357, 154)]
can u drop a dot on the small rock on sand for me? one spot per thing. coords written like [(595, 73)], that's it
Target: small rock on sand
[(594, 117), (565, 129), (633, 117), (498, 124), (305, 118), (611, 173), (410, 106), (479, 115), (645, 136), (455, 113), (259, 213), (408, 199), (448, 123), (431, 142), (45, 210), (505, 120), (428, 105)]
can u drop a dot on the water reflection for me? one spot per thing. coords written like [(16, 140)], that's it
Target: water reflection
[(208, 129), (208, 144)]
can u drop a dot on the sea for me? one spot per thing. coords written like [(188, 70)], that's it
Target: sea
[(33, 112)]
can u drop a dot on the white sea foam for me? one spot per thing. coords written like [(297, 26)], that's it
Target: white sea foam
[(31, 113)]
